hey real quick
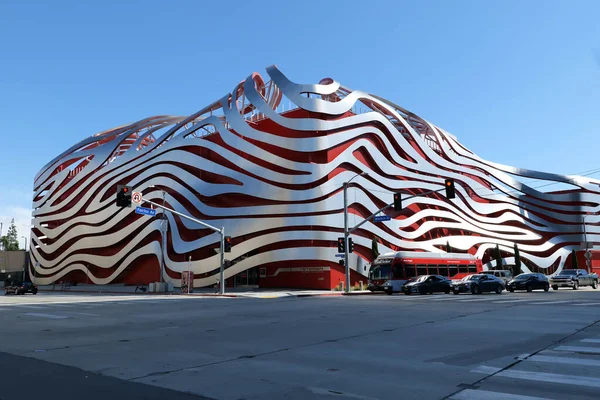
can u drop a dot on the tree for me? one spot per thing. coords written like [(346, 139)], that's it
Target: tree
[(10, 241), (498, 258), (448, 248), (574, 262), (517, 268), (374, 248)]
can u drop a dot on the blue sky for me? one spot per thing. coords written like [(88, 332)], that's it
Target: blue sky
[(517, 82)]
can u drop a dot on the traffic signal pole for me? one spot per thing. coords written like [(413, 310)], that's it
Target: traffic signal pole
[(221, 231), (346, 233)]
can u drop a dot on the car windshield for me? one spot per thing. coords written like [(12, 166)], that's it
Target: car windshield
[(523, 277), (470, 277), (380, 271), (568, 272), (421, 278)]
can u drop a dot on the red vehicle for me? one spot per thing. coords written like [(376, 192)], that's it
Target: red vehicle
[(392, 270)]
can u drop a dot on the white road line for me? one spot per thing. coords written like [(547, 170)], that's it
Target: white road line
[(579, 349), (586, 304), (552, 302), (486, 369), (509, 301), (470, 394), (29, 306), (554, 378), (590, 340), (83, 313), (477, 299), (51, 316), (565, 360), (62, 305)]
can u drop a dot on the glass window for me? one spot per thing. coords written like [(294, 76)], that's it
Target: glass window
[(472, 269), (409, 271), (452, 270), (421, 269), (432, 269), (463, 269), (443, 268), (381, 271), (397, 272)]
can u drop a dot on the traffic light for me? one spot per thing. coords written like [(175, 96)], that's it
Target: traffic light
[(341, 245), (123, 196), (397, 202), (227, 244), (450, 188), (350, 245), (341, 262)]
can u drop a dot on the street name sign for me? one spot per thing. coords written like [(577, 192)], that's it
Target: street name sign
[(380, 218), (340, 255), (145, 211)]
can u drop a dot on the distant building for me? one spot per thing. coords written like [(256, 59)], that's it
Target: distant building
[(267, 162), (12, 265)]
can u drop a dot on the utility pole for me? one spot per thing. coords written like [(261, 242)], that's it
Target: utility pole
[(346, 233)]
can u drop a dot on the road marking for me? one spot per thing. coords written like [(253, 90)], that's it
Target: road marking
[(509, 301), (579, 349), (470, 394), (590, 340), (586, 304), (28, 306), (565, 360), (552, 302), (486, 369), (83, 313), (554, 378), (51, 316), (478, 299)]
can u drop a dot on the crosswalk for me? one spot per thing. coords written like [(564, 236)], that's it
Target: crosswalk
[(564, 371)]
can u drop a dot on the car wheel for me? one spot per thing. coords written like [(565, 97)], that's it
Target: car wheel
[(498, 289), (407, 293), (575, 285), (475, 289), (422, 290), (455, 291), (34, 292), (546, 287), (447, 291), (594, 284), (388, 292), (554, 287), (529, 288), (511, 290)]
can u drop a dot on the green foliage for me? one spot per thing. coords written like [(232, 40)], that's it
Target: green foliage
[(517, 268), (574, 262), (10, 241), (498, 258), (374, 248), (448, 248)]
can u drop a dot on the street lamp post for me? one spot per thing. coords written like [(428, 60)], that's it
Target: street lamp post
[(25, 267), (346, 234)]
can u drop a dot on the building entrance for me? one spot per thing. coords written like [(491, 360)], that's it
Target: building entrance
[(248, 278)]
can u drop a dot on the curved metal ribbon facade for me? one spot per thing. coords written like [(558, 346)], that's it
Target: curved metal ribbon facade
[(267, 162)]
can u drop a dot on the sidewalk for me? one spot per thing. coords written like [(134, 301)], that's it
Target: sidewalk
[(207, 292)]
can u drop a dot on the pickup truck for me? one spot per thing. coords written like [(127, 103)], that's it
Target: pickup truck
[(574, 278), (22, 288)]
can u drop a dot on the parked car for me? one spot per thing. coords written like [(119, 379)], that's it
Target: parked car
[(427, 284), (503, 274), (528, 282), (477, 284), (22, 288), (574, 278)]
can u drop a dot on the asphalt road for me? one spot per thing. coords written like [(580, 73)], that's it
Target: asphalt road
[(520, 346)]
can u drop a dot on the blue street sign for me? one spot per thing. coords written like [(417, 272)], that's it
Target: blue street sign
[(145, 211), (340, 255), (380, 218)]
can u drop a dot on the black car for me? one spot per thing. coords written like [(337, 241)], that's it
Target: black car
[(427, 284), (21, 288), (528, 282), (477, 284)]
